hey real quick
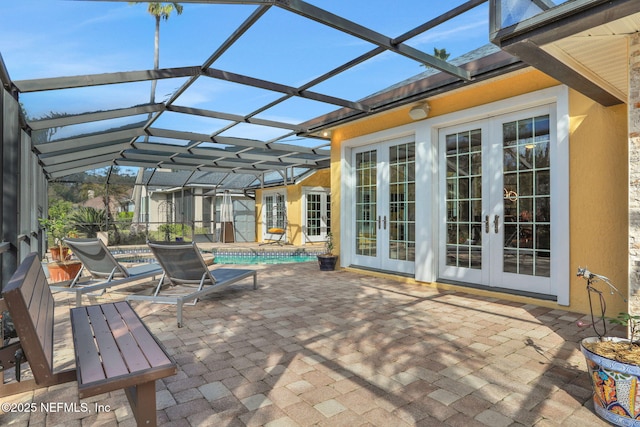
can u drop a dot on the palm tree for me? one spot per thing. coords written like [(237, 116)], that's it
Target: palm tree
[(441, 53), (160, 11)]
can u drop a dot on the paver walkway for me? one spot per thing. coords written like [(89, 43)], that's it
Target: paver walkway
[(343, 349)]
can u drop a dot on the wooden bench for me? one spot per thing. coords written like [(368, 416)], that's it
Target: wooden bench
[(114, 349)]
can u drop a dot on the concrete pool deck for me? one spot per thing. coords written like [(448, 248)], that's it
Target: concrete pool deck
[(345, 349)]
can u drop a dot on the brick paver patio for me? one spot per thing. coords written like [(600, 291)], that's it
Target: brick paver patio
[(344, 349)]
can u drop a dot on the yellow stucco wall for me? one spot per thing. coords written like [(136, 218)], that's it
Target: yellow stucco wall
[(598, 175), (320, 178), (598, 197)]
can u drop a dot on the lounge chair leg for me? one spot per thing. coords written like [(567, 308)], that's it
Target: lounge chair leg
[(155, 294), (179, 313), (75, 279)]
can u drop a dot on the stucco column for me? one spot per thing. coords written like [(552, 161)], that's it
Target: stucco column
[(634, 174)]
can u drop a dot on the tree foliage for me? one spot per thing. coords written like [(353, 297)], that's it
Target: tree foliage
[(161, 10), (78, 187), (57, 221), (441, 53)]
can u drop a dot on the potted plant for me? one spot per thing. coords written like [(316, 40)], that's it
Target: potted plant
[(613, 363), (327, 260), (59, 226)]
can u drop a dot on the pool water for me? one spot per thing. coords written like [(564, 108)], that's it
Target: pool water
[(247, 258)]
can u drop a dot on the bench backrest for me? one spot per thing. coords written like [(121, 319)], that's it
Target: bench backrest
[(30, 304)]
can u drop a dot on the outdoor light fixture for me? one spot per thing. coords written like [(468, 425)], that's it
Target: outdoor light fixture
[(420, 111)]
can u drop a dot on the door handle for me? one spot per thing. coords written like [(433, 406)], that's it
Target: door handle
[(384, 221), (379, 225), (496, 223), (486, 223)]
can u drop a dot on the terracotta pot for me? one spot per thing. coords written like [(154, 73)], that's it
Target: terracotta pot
[(63, 271), (616, 389), (55, 253)]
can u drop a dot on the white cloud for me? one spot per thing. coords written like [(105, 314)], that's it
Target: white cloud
[(430, 37)]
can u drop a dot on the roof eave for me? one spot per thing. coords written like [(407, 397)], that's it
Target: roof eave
[(488, 67)]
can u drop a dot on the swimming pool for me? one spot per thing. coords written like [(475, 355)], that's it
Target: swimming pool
[(262, 258)]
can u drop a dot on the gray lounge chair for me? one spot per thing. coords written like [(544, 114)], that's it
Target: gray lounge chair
[(104, 269), (183, 265)]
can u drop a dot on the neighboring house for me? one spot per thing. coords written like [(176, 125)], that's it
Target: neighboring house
[(180, 197), (301, 208), (115, 205), (508, 185)]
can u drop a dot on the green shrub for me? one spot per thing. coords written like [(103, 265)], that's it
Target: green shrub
[(89, 220)]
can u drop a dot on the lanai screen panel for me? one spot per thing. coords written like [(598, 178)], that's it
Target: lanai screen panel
[(261, 80)]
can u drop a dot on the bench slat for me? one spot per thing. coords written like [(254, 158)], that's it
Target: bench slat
[(49, 320), (88, 360), (147, 342), (107, 347), (41, 310), (131, 353)]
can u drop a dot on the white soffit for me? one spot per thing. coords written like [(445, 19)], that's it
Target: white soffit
[(600, 54)]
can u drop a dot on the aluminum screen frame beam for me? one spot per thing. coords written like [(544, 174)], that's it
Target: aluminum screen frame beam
[(339, 23)]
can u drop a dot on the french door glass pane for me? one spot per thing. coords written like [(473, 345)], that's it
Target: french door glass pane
[(527, 196), (281, 212), (464, 199), (328, 213), (268, 206), (402, 201), (313, 214), (366, 203)]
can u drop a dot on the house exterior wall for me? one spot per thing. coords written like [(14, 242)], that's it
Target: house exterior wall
[(295, 235), (597, 175), (598, 197), (634, 173)]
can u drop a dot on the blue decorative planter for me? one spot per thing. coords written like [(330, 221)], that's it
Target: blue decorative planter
[(616, 392)]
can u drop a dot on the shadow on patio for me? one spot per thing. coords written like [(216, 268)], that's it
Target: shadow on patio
[(339, 348)]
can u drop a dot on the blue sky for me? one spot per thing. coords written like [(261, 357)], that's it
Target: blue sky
[(50, 38)]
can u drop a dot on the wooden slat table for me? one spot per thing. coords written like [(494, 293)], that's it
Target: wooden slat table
[(114, 350)]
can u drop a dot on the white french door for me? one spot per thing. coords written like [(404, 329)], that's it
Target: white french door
[(316, 214), (384, 209), (274, 220), (496, 201)]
